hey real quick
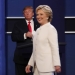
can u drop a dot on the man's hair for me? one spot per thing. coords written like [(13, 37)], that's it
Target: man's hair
[(27, 7)]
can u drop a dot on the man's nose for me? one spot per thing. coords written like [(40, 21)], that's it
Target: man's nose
[(27, 13)]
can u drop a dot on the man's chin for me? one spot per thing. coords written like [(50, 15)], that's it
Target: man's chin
[(28, 18)]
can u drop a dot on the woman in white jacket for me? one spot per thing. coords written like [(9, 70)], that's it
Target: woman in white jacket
[(45, 57)]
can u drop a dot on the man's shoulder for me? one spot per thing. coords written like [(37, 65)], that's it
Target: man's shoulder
[(20, 22)]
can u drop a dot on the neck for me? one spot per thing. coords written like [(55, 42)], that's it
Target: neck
[(43, 23), (29, 19)]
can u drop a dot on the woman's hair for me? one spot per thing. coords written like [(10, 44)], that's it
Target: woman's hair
[(47, 10)]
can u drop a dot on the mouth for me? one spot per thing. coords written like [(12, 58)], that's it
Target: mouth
[(39, 19)]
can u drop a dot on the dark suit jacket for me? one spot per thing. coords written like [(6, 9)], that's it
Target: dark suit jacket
[(23, 46)]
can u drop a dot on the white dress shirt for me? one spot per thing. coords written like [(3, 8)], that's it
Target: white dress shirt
[(32, 26)]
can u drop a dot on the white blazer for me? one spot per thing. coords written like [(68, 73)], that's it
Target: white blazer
[(45, 49)]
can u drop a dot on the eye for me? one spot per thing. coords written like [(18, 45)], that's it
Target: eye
[(41, 14)]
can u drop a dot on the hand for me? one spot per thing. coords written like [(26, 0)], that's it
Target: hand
[(27, 69), (29, 34), (57, 69)]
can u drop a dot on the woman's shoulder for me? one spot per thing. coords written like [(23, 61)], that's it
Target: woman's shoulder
[(51, 27)]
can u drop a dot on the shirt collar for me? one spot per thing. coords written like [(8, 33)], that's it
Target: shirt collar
[(45, 24), (30, 21)]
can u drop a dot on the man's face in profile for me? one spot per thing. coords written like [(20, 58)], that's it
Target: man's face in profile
[(28, 13)]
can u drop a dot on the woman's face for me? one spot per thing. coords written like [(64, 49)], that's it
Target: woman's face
[(41, 17)]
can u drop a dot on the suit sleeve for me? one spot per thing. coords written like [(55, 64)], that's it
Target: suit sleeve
[(17, 35), (53, 41), (31, 62)]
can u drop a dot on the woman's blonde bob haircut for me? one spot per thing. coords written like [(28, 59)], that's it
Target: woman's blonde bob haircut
[(47, 10)]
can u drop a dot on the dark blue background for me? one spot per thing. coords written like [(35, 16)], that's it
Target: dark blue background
[(69, 7), (2, 38), (14, 8)]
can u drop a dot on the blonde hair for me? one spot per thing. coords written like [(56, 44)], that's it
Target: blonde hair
[(28, 7), (47, 10)]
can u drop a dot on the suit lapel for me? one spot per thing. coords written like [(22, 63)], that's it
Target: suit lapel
[(25, 28), (24, 24)]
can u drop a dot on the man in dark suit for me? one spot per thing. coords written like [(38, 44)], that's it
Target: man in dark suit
[(22, 34)]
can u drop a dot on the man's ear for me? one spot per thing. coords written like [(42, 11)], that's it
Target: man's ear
[(33, 14)]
